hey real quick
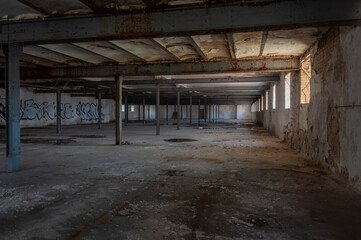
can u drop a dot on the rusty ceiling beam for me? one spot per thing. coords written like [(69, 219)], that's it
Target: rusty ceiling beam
[(255, 65), (36, 8), (170, 54), (91, 5), (197, 48), (263, 42), (230, 44), (183, 21)]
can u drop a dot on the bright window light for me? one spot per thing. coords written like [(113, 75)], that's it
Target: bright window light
[(274, 96), (288, 91)]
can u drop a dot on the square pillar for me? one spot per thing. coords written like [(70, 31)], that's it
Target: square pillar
[(12, 116), (118, 110), (157, 110)]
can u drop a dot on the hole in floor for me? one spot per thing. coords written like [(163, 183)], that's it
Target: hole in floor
[(87, 136), (54, 141), (180, 140)]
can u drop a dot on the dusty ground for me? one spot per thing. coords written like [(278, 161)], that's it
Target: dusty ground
[(234, 182)]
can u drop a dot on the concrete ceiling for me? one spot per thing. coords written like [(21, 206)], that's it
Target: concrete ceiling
[(283, 44)]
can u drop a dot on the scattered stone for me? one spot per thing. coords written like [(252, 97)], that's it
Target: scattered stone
[(125, 212), (126, 143)]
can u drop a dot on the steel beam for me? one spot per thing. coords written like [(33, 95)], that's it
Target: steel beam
[(126, 110), (157, 110), (143, 111), (178, 110), (58, 111), (118, 110), (163, 82), (99, 110), (12, 54), (198, 20), (190, 110), (199, 111), (235, 112), (254, 65), (167, 113)]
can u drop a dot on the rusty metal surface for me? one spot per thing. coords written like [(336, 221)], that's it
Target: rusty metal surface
[(267, 65)]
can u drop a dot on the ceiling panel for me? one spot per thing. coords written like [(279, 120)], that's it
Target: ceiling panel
[(53, 56), (61, 6), (214, 47), (291, 42), (117, 5), (110, 51), (180, 47), (76, 52), (145, 49), (247, 44), (11, 9)]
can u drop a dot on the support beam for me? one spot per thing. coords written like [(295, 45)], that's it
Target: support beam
[(157, 110), (270, 15), (190, 110), (254, 65), (197, 48), (34, 6), (230, 43), (178, 110), (235, 112), (205, 110), (58, 111), (263, 42), (148, 112), (99, 110), (90, 4), (139, 112), (199, 111), (118, 110), (167, 113), (12, 54), (126, 110), (143, 111)]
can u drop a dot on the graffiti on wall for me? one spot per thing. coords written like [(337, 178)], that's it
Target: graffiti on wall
[(30, 110), (87, 111)]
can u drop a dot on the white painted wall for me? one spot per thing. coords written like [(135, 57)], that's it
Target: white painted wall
[(39, 110)]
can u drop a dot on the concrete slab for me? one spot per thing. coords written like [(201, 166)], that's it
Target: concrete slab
[(235, 182)]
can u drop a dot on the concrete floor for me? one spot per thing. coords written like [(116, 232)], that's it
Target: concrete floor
[(234, 182)]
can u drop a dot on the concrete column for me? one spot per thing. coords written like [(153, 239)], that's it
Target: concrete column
[(235, 112), (143, 111), (148, 112), (99, 110), (126, 110), (213, 111), (118, 110), (12, 116), (167, 111), (205, 110), (58, 111), (178, 110), (209, 113), (139, 112), (190, 110), (199, 111), (181, 111), (157, 110)]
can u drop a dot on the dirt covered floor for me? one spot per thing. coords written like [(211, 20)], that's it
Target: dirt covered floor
[(227, 181)]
